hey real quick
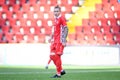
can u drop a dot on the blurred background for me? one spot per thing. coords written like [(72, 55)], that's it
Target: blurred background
[(93, 39)]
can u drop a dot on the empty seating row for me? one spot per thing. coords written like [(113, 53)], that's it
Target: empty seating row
[(48, 2), (22, 38), (94, 39)]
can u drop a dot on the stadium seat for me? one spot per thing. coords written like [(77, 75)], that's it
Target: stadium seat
[(99, 7), (2, 2), (105, 29), (78, 29), (107, 7), (85, 22), (99, 14), (30, 38), (53, 3), (109, 38), (37, 30), (112, 22), (4, 7), (75, 2), (116, 14), (48, 30), (87, 29), (115, 29), (117, 38), (34, 7), (93, 22), (92, 15), (22, 22), (96, 29), (25, 7), (12, 2), (5, 29), (25, 30), (99, 39), (15, 29), (109, 14), (41, 38), (71, 38), (9, 37), (1, 35), (103, 22), (18, 37)]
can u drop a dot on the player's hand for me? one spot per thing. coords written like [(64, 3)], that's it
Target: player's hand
[(50, 40), (64, 44)]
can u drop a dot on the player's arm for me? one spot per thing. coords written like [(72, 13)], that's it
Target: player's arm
[(64, 36)]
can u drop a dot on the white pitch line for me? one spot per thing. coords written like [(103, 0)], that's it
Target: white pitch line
[(46, 72)]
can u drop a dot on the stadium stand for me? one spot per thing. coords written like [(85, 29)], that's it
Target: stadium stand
[(94, 22)]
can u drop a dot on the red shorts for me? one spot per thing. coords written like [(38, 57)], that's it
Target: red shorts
[(57, 48)]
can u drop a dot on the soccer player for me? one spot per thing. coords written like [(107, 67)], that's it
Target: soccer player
[(58, 41)]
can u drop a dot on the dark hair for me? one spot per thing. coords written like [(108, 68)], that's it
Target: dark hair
[(58, 7)]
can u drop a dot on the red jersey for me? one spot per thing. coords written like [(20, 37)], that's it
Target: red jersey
[(59, 23)]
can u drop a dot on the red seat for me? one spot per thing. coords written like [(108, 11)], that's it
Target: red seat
[(32, 1), (112, 22), (2, 2), (107, 7), (41, 38), (71, 38), (37, 30), (99, 7), (103, 22), (85, 22), (40, 15), (86, 29), (25, 7), (105, 29), (9, 37), (19, 37), (99, 39), (53, 3), (15, 29), (2, 22), (22, 2), (100, 14), (23, 22), (43, 2), (25, 30), (117, 38), (109, 38), (96, 29), (12, 2), (116, 14), (93, 22), (75, 2), (1, 35), (48, 30), (4, 7), (109, 14), (35, 7), (78, 29), (30, 38), (115, 29), (5, 29), (92, 15)]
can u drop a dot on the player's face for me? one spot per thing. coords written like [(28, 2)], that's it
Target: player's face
[(56, 12)]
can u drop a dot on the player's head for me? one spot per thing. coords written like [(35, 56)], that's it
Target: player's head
[(57, 11)]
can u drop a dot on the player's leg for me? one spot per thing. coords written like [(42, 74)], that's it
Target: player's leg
[(60, 51)]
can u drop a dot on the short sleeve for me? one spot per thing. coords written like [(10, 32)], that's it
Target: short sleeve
[(63, 20)]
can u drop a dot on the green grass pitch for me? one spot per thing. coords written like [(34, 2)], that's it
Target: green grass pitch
[(73, 73)]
